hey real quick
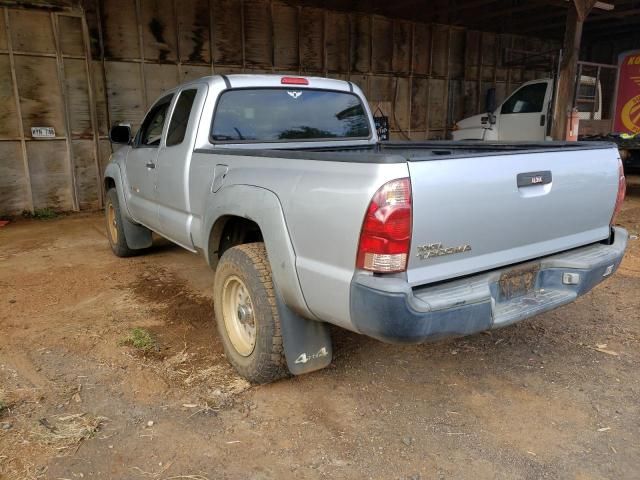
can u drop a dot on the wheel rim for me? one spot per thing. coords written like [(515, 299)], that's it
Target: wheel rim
[(112, 225), (239, 319)]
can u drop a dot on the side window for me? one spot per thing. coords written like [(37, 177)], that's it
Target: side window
[(151, 129), (180, 117), (528, 99)]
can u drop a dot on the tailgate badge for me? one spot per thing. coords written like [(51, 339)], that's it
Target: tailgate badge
[(438, 250)]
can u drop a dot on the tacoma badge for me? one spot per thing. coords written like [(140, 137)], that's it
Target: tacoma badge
[(437, 250)]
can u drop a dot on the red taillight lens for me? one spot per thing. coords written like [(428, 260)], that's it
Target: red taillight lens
[(622, 190), (386, 230), (294, 81)]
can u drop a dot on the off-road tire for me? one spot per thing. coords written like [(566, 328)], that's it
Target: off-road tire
[(115, 228), (249, 262)]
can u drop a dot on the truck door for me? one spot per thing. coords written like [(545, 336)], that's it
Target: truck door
[(523, 116), (141, 165), (174, 161)]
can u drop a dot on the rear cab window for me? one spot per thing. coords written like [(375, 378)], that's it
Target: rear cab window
[(257, 115), (180, 117)]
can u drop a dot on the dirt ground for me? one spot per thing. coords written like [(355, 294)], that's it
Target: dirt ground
[(554, 397)]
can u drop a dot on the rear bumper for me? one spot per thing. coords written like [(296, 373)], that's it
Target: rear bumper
[(391, 311)]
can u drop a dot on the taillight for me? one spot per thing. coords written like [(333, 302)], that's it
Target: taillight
[(622, 190), (386, 230)]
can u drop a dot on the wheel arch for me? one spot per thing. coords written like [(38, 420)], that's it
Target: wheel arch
[(254, 207)]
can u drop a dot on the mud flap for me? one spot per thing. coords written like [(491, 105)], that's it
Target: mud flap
[(136, 236), (307, 343)]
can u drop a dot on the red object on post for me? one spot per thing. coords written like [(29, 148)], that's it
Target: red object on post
[(573, 123)]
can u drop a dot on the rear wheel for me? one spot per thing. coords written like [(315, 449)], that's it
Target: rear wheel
[(115, 230), (247, 315)]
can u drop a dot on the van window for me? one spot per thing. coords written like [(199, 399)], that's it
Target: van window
[(528, 99), (288, 114), (180, 117)]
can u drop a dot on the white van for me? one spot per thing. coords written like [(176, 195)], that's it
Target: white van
[(525, 114)]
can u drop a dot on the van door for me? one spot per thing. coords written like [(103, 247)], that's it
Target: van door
[(523, 116), (174, 161), (141, 165)]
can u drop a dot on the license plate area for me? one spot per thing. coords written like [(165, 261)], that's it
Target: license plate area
[(517, 282)]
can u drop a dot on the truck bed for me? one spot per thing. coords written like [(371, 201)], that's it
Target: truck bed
[(398, 152)]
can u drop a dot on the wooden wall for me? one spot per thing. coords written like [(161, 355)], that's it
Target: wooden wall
[(423, 76)]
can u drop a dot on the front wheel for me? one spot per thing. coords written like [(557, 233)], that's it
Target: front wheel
[(115, 228), (247, 315)]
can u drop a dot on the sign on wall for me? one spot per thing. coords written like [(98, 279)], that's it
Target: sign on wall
[(43, 132), (627, 118)]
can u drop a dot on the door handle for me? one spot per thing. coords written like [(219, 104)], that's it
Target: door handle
[(151, 165), (534, 178), (542, 119)]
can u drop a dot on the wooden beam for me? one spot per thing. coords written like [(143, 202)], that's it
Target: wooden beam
[(566, 85)]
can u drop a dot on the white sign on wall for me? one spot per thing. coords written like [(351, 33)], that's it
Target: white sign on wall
[(43, 132)]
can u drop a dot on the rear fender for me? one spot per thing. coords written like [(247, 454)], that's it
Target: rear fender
[(263, 207)]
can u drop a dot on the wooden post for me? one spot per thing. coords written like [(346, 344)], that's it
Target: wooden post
[(577, 12)]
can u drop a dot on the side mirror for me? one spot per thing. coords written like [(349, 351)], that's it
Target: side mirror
[(490, 101), (120, 134)]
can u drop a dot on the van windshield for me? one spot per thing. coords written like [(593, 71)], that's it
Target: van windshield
[(288, 114)]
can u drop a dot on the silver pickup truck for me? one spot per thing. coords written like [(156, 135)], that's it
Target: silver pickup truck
[(281, 184)]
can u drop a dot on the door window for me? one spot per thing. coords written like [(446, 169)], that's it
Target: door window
[(180, 118), (528, 99), (151, 130)]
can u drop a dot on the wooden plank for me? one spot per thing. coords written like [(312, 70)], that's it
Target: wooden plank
[(470, 104), (40, 97), (337, 42), (455, 104), (125, 100), (49, 171), (9, 126), (258, 34), (159, 30), (78, 104), (120, 29), (100, 98), (360, 44), (227, 32), (92, 20), (71, 39), (419, 103), (14, 194), (4, 45), (194, 31), (440, 50), (457, 47), (16, 97), (401, 117), (402, 45), (285, 36), (158, 79), (311, 40), (31, 31), (65, 103), (194, 72), (382, 41), (85, 173), (421, 49), (437, 104)]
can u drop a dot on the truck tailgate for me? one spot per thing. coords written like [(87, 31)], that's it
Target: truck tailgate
[(478, 213)]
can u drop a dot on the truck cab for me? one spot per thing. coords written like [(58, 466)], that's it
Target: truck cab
[(526, 113)]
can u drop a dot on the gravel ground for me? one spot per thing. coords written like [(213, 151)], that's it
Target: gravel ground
[(553, 397)]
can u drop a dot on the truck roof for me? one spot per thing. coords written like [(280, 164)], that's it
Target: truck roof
[(270, 80)]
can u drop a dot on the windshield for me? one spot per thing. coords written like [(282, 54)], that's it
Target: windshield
[(280, 115)]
